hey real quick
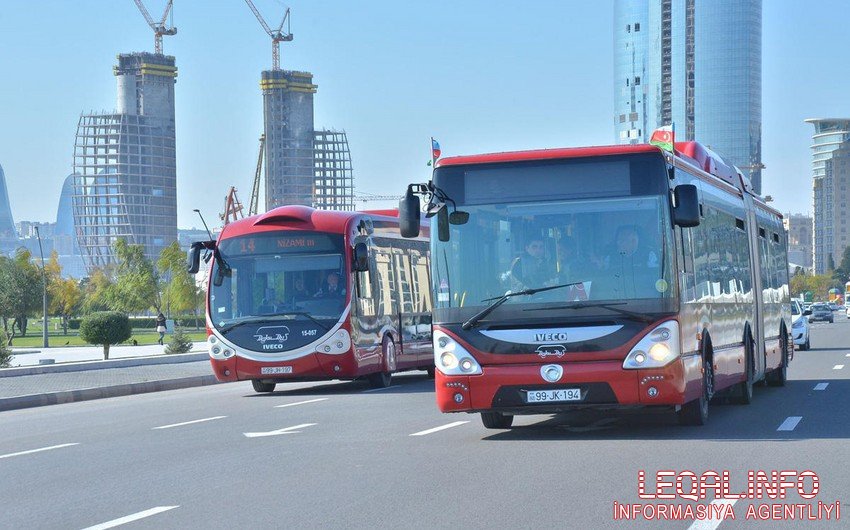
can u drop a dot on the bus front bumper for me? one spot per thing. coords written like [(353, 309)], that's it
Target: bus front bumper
[(602, 384)]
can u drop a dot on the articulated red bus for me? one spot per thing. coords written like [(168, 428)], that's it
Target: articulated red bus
[(298, 294), (602, 277)]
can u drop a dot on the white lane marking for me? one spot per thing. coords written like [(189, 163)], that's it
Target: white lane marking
[(300, 403), (188, 423), (379, 389), (790, 423), (821, 386), (287, 430), (130, 518), (838, 367), (31, 451), (711, 524), (441, 428)]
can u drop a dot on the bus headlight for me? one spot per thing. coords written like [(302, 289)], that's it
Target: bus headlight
[(658, 348), (451, 358)]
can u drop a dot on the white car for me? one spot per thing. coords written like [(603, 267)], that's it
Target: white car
[(800, 325)]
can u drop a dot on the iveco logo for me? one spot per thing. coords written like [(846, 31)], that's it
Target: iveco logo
[(550, 337), (551, 350)]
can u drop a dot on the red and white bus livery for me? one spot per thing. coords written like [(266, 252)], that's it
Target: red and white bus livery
[(298, 294), (602, 277)]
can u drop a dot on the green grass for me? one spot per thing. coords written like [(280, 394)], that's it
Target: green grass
[(34, 338)]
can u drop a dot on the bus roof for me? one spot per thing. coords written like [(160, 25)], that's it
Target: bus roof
[(296, 217)]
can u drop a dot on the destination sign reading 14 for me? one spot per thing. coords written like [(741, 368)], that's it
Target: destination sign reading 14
[(276, 243)]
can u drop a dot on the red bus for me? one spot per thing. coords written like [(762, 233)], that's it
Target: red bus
[(602, 277), (298, 294)]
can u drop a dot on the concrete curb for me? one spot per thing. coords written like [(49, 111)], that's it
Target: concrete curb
[(70, 396), (82, 366)]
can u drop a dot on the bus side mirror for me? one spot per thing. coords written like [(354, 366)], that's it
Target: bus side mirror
[(458, 217), (408, 215), (686, 209), (193, 263), (360, 257)]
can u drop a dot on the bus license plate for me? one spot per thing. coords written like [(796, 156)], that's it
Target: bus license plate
[(270, 370), (542, 396)]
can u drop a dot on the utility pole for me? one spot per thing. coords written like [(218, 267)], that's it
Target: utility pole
[(44, 290)]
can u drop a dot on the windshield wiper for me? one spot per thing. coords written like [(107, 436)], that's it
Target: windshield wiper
[(608, 306), (499, 300), (266, 318)]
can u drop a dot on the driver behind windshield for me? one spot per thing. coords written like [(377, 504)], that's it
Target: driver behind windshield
[(532, 269)]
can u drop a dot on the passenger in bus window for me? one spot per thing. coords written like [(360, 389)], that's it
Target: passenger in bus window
[(331, 287), (629, 250), (531, 269), (299, 291)]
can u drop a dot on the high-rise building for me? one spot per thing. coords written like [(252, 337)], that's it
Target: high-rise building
[(696, 65), (800, 239), (288, 126), (125, 165), (8, 235), (334, 180), (830, 180)]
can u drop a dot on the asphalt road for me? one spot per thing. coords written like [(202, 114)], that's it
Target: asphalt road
[(337, 455)]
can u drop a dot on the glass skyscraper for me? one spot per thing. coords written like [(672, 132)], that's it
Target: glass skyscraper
[(697, 65), (830, 179)]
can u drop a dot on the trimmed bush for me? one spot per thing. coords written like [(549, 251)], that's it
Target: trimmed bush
[(105, 328), (5, 351), (179, 343)]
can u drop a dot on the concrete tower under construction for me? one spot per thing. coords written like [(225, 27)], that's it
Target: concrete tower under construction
[(125, 165)]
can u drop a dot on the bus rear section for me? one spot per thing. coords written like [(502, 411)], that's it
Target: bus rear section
[(285, 301), (612, 277)]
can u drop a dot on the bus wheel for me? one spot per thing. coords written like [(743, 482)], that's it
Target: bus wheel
[(383, 379), (696, 411), (778, 376), (496, 420), (259, 386), (745, 388)]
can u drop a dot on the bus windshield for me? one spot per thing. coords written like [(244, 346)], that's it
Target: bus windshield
[(613, 242), (278, 275)]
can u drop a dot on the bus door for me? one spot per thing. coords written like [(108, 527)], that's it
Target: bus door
[(758, 292)]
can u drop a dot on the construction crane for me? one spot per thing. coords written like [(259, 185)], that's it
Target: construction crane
[(232, 208), (159, 29), (253, 208), (367, 197), (277, 35)]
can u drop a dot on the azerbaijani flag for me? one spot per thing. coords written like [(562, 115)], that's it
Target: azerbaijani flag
[(435, 149), (664, 137)]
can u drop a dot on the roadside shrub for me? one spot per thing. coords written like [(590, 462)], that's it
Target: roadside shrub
[(105, 328), (179, 343), (5, 351)]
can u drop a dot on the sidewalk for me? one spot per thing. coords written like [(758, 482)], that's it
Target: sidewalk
[(79, 373)]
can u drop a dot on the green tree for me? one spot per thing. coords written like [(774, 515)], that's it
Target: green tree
[(136, 286), (179, 292), (96, 291), (105, 328), (64, 294), (20, 291), (179, 343)]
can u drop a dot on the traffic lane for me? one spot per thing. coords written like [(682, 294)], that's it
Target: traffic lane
[(140, 467)]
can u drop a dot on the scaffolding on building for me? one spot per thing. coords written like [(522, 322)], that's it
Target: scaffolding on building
[(334, 179)]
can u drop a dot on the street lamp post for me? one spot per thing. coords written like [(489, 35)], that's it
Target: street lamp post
[(44, 290)]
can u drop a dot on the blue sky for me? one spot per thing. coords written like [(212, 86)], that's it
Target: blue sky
[(478, 75)]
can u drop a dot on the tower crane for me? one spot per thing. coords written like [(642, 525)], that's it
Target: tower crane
[(253, 207), (367, 197), (277, 35), (159, 29)]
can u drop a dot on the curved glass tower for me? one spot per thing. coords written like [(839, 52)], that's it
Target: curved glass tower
[(8, 236), (694, 64)]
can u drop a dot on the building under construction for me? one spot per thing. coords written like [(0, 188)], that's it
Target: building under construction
[(334, 179), (125, 164)]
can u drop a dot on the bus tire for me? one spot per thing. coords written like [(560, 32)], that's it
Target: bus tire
[(745, 387), (384, 378), (779, 376), (259, 386), (696, 412), (496, 420)]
